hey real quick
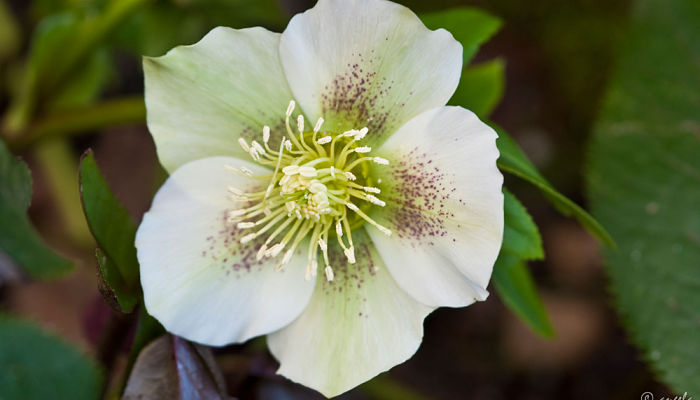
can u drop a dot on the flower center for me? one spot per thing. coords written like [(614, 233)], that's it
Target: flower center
[(317, 178)]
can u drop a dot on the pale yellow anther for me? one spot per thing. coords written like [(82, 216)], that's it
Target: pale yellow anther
[(361, 133), (258, 147), (350, 254), (266, 133), (291, 170), (248, 238), (308, 172), (318, 125), (339, 229), (261, 252), (372, 199), (380, 161), (329, 273), (316, 187), (300, 123), (244, 145)]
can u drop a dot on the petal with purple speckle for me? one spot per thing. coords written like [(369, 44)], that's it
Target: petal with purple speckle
[(355, 327), (198, 280), (370, 63), (444, 206)]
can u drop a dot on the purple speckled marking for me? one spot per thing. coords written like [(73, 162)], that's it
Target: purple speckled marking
[(277, 131), (420, 198), (357, 93), (225, 250), (349, 278)]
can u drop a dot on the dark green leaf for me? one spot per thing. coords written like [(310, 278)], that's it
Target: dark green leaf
[(470, 26), (163, 25), (514, 161), (112, 286), (517, 289), (62, 48), (521, 237), (173, 368), (644, 184), (109, 222), (17, 235), (481, 87), (37, 366)]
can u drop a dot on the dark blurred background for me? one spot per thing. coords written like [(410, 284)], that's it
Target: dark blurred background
[(558, 57)]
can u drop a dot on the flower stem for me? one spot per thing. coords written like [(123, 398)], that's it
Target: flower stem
[(80, 120)]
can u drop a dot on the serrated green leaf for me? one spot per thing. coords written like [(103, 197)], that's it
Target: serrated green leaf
[(481, 87), (36, 366), (644, 184), (470, 26), (110, 223), (17, 235), (514, 161), (521, 237), (517, 289)]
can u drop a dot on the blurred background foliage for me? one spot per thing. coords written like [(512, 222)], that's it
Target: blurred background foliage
[(71, 79)]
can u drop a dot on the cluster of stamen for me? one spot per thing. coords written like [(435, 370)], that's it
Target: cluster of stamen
[(311, 193)]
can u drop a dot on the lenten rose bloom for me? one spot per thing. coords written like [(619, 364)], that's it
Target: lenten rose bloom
[(335, 222)]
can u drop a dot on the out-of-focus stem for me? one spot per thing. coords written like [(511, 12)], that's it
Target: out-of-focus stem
[(81, 120)]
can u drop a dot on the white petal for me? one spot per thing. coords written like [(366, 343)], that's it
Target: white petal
[(355, 327), (198, 280), (200, 99), (370, 63), (444, 206)]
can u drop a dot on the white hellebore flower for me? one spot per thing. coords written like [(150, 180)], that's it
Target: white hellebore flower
[(334, 228)]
